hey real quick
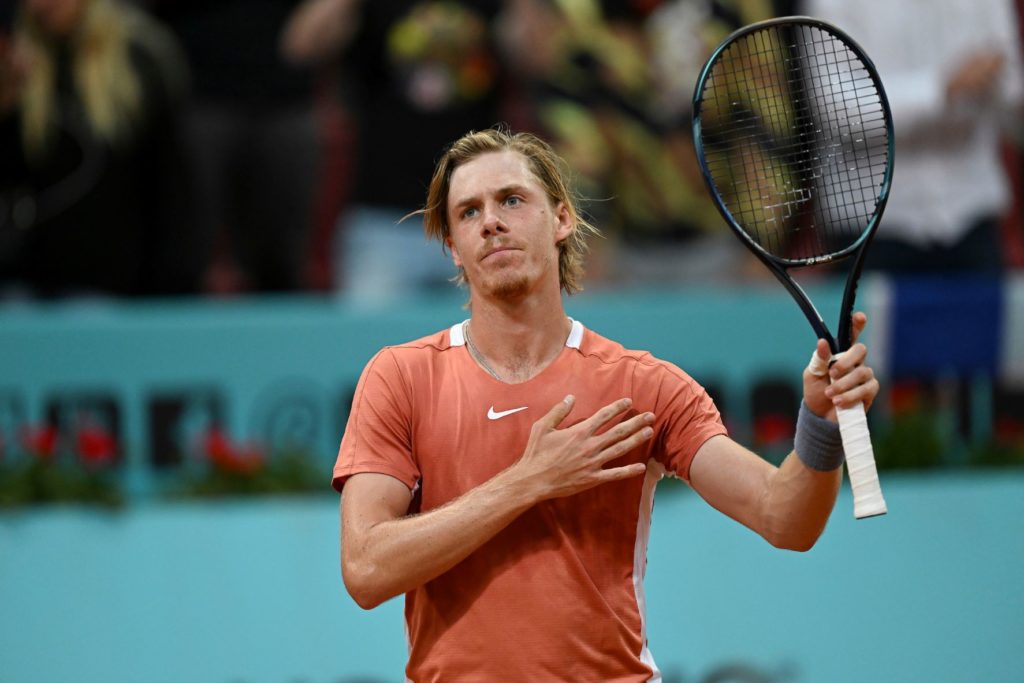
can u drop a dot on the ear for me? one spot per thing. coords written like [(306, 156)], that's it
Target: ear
[(456, 259), (564, 225)]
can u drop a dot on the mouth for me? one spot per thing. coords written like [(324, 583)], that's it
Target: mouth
[(497, 250)]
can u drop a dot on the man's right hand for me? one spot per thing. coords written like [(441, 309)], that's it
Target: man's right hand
[(561, 462)]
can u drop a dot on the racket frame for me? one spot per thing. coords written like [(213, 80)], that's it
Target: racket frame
[(777, 265)]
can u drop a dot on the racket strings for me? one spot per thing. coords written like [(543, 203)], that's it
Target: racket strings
[(844, 195), (796, 140)]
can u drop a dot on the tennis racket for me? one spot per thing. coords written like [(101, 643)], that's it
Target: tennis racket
[(794, 138)]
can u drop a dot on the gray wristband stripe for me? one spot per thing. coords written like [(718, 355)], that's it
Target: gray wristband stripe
[(818, 442)]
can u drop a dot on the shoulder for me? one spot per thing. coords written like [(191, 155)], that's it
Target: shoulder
[(601, 349), (402, 371), (645, 367), (416, 353), (424, 347)]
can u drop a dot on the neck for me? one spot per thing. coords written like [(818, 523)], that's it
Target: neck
[(517, 341)]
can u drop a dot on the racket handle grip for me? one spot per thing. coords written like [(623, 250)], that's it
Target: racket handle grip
[(860, 462)]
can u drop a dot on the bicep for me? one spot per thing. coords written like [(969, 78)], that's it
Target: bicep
[(368, 499), (731, 479)]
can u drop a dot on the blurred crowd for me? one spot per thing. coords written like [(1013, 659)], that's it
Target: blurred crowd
[(185, 147)]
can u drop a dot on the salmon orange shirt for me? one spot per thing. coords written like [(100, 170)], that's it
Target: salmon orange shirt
[(558, 594)]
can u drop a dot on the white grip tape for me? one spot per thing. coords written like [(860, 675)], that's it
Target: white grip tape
[(860, 457), (860, 462)]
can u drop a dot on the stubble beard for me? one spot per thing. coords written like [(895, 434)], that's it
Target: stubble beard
[(511, 285)]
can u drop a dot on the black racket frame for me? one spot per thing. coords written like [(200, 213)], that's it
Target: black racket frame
[(777, 265)]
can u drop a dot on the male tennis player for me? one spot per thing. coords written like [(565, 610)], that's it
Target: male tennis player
[(500, 473)]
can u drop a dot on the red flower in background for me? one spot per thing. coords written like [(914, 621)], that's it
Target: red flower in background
[(1009, 430), (40, 442), (773, 429), (905, 397), (230, 457), (96, 446)]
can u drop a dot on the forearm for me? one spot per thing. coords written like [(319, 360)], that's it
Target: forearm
[(796, 504), (799, 495), (388, 558), (787, 505)]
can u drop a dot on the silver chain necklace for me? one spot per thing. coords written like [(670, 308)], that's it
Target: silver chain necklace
[(477, 356)]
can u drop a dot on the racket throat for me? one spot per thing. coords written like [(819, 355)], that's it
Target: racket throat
[(804, 301)]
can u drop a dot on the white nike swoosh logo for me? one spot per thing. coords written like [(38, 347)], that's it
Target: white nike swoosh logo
[(492, 415)]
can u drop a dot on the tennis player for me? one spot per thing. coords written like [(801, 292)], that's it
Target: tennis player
[(500, 473)]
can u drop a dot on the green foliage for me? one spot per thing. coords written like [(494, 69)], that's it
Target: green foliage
[(913, 440), (51, 469), (997, 454), (39, 481), (284, 473), (916, 440)]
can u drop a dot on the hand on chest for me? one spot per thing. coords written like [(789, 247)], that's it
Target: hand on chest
[(471, 434)]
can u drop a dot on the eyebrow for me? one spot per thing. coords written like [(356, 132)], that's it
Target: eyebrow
[(513, 188)]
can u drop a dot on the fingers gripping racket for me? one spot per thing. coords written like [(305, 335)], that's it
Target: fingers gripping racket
[(794, 137)]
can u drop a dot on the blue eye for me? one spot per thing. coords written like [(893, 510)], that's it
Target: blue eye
[(513, 201)]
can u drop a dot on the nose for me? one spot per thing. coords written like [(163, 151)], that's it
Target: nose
[(491, 223)]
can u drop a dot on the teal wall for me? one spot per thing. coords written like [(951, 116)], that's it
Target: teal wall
[(231, 592)]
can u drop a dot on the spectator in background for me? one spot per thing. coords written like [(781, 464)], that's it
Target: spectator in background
[(252, 140), (952, 71), (416, 74), (91, 196), (610, 84)]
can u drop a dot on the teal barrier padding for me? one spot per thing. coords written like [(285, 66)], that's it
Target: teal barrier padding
[(261, 357), (232, 592)]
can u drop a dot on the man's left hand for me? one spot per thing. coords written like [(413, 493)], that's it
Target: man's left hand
[(847, 382)]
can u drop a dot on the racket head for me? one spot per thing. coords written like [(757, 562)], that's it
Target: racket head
[(794, 137)]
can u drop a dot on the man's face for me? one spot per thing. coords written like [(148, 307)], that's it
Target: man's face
[(504, 231)]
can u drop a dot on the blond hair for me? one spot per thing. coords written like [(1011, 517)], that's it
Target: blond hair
[(548, 168), (104, 77)]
